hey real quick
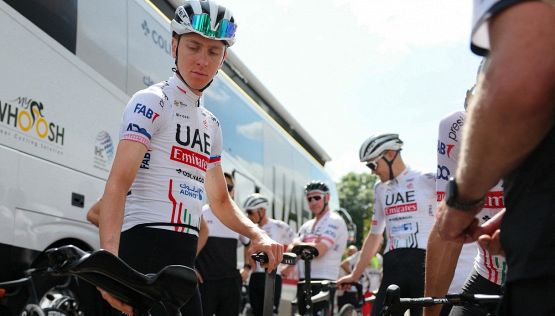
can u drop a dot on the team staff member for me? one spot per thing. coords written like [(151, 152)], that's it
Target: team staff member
[(255, 206), (510, 134), (327, 232), (168, 158), (487, 272), (220, 283), (404, 207)]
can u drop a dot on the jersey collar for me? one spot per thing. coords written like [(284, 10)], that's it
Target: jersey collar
[(183, 93)]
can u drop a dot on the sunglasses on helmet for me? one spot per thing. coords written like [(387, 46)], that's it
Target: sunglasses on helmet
[(224, 29)]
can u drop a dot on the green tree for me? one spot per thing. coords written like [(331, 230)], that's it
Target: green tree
[(356, 195)]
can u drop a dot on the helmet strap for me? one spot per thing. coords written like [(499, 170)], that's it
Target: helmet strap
[(390, 164)]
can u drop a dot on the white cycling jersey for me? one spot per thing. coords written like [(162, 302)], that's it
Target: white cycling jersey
[(280, 232), (405, 207), (332, 231), (184, 140), (493, 268), (217, 229)]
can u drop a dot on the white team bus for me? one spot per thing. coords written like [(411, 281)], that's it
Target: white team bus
[(68, 67)]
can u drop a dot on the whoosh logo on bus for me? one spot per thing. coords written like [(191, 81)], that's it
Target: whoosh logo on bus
[(27, 116)]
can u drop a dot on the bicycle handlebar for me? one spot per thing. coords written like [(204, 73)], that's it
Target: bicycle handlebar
[(288, 258), (394, 304)]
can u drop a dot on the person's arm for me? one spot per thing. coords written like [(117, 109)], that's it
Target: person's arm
[(93, 213), (345, 265), (126, 163), (230, 215), (369, 249), (202, 235), (124, 168), (247, 265), (441, 262), (514, 108)]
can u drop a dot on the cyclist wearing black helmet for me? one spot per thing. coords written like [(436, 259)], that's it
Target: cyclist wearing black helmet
[(404, 207), (328, 231), (169, 156)]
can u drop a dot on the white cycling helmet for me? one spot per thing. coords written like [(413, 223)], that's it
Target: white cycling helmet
[(374, 146), (207, 18), (256, 201)]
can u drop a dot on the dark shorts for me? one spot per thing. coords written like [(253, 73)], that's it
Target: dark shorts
[(476, 284), (221, 297), (405, 268), (148, 250)]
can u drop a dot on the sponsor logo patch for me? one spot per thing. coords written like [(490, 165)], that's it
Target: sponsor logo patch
[(403, 208), (188, 157)]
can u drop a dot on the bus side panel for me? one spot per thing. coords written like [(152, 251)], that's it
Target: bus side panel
[(51, 189), (38, 231), (52, 105)]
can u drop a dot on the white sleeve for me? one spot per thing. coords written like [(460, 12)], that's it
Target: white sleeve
[(378, 218), (142, 117), (217, 141)]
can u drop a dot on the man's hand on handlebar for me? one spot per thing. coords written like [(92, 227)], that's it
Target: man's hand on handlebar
[(115, 303), (346, 281), (274, 250)]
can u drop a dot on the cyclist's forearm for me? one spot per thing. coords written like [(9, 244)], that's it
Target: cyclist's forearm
[(230, 215), (441, 262), (369, 249), (514, 108), (110, 220)]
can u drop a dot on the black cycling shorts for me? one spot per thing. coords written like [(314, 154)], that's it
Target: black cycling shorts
[(148, 250), (405, 268), (476, 284), (221, 297)]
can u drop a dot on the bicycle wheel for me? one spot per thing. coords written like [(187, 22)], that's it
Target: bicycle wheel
[(347, 310)]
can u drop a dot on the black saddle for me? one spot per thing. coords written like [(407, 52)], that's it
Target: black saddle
[(172, 286), (305, 250)]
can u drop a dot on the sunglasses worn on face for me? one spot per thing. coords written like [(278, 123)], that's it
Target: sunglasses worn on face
[(373, 164), (201, 23), (250, 212), (229, 187), (315, 198)]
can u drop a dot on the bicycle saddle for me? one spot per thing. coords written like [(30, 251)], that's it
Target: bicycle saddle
[(305, 250), (172, 286)]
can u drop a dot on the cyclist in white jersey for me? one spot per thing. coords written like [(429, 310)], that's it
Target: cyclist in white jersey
[(327, 232), (168, 158), (255, 206), (404, 207), (486, 273)]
